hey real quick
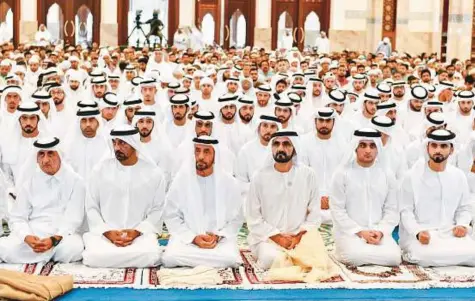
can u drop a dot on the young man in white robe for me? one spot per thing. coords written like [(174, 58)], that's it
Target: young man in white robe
[(176, 121), (228, 123), (247, 122), (394, 155), (205, 215), (362, 117), (436, 208), (48, 211), (124, 205), (86, 143), (109, 107), (323, 151), (463, 115), (253, 154), (65, 109), (9, 102), (149, 95), (391, 110), (413, 115), (283, 201), (155, 141), (17, 143), (365, 212), (264, 105)]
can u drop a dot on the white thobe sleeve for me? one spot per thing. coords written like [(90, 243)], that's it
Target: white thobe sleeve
[(232, 226), (73, 216), (175, 220), (241, 168), (255, 221), (153, 221), (463, 214), (390, 217), (338, 205), (406, 204), (93, 208), (20, 214), (314, 217)]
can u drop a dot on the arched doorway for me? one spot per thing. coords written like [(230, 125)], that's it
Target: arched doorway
[(239, 22), (309, 17), (9, 21), (208, 19), (74, 21), (285, 31), (131, 10)]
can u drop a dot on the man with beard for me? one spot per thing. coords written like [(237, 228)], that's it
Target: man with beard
[(362, 118), (283, 201), (281, 85), (176, 127), (124, 205), (399, 93), (228, 125), (10, 100), (253, 154), (436, 208), (358, 85), (74, 89), (129, 107), (99, 88), (86, 143), (462, 118), (314, 93), (64, 111), (365, 212), (204, 215), (46, 216), (155, 141), (323, 152), (284, 111), (413, 115), (247, 125), (17, 143), (264, 104)]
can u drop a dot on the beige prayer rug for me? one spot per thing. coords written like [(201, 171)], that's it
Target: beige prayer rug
[(372, 274), (453, 276), (85, 277), (229, 277), (256, 275)]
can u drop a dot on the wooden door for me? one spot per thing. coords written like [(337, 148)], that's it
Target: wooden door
[(314, 16), (235, 13), (285, 11), (299, 11), (69, 10), (14, 6), (213, 8)]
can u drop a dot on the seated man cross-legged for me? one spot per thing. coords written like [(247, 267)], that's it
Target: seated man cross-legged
[(48, 211), (204, 211)]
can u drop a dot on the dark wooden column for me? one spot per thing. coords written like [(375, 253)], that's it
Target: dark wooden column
[(389, 21), (445, 29)]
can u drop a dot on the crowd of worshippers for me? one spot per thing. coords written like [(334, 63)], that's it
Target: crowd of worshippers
[(101, 148)]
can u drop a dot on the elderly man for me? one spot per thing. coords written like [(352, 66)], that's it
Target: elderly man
[(436, 208), (86, 143), (124, 205), (204, 217), (365, 211), (48, 211), (323, 151), (283, 201)]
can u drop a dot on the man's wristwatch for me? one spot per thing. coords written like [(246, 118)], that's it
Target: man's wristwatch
[(55, 241)]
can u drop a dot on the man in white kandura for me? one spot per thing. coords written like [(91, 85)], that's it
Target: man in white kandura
[(48, 211), (124, 205), (204, 211), (365, 210), (283, 201), (436, 208), (324, 150)]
